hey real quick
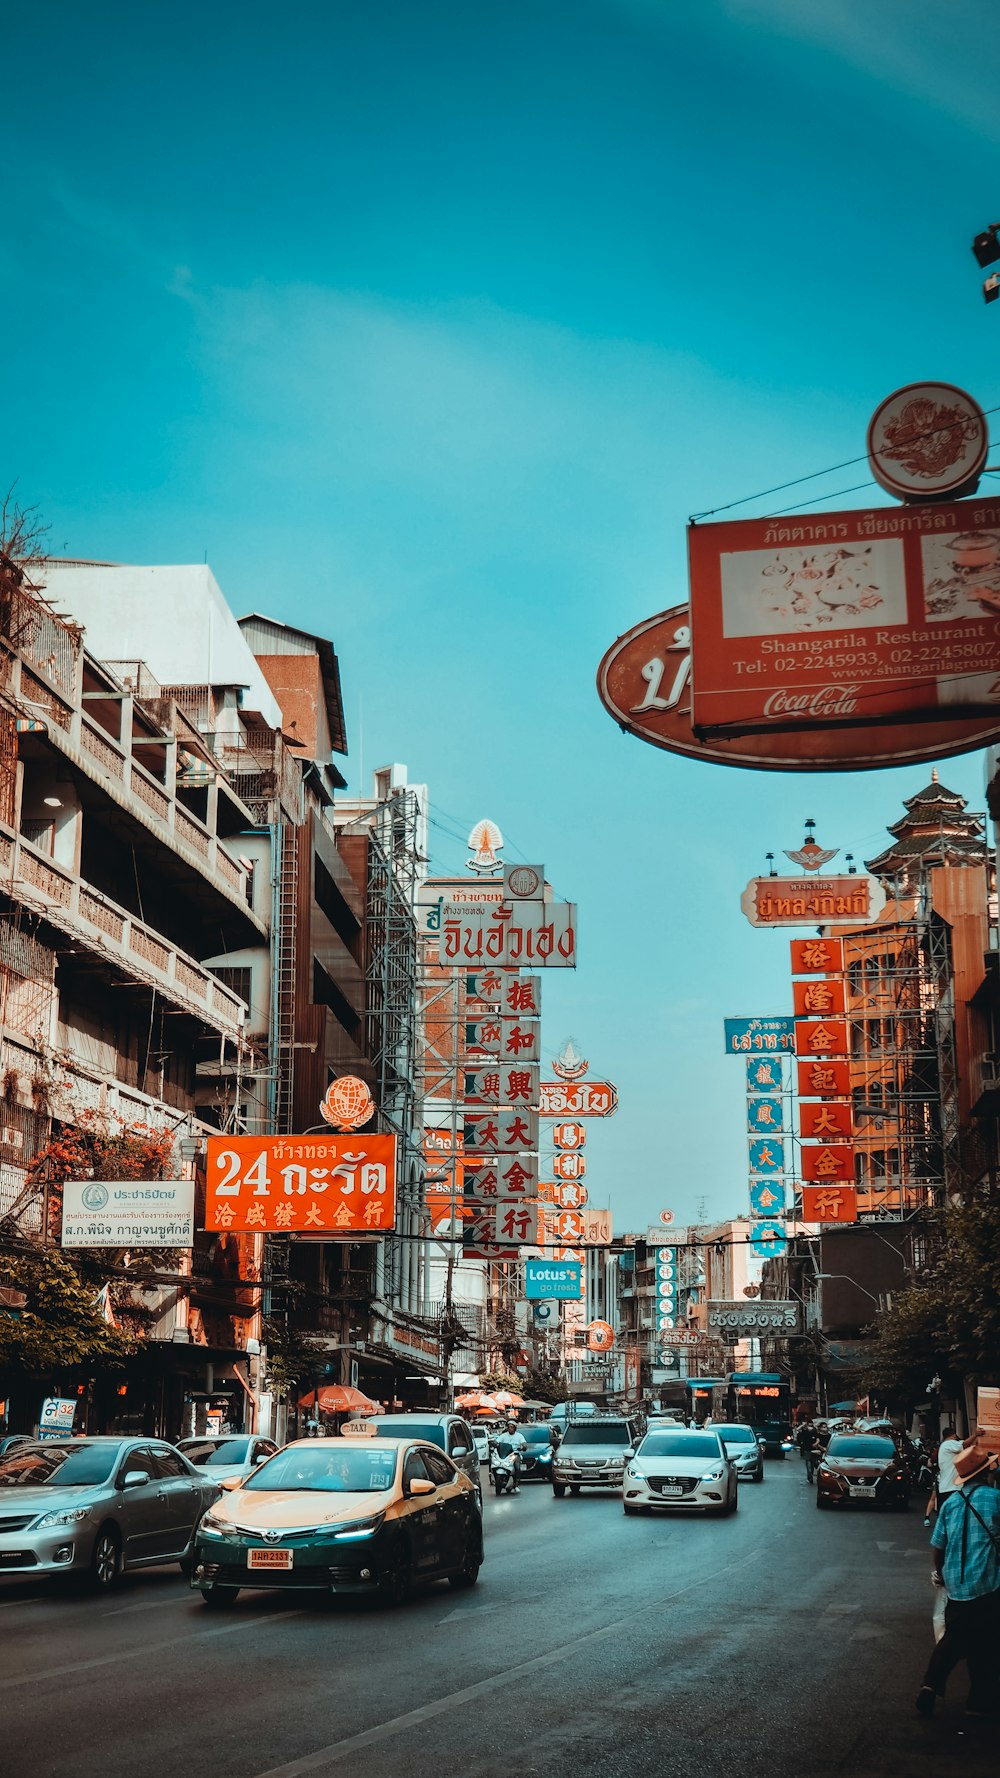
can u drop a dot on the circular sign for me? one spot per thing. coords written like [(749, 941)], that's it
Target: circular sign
[(623, 686), (348, 1103), (523, 880), (927, 441), (666, 1216), (600, 1336), (666, 1323), (665, 1268), (94, 1196)]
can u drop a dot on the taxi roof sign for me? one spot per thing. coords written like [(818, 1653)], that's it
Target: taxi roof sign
[(357, 1429)]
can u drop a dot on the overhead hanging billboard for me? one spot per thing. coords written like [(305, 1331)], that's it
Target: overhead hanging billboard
[(845, 618), (644, 683)]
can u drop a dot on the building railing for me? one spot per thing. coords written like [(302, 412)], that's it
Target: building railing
[(134, 945)]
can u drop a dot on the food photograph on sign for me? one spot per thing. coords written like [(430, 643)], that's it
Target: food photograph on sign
[(845, 617)]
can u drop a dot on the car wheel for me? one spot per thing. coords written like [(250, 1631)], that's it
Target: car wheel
[(106, 1561), (822, 1502), (559, 1489), (217, 1598), (468, 1574), (574, 1487), (395, 1577), (631, 1512)]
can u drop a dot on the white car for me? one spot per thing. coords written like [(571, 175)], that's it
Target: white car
[(481, 1440), (680, 1468), (222, 1455)]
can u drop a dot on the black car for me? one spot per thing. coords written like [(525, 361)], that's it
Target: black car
[(536, 1461), (775, 1437), (449, 1432)]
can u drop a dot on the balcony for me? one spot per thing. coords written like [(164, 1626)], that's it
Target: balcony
[(102, 927)]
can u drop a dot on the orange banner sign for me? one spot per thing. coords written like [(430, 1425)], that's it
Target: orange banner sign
[(335, 1185), (824, 1080), (818, 998), (828, 1120), (829, 1203), (817, 956), (569, 1165), (827, 1162), (569, 1136), (821, 1037), (578, 1098)]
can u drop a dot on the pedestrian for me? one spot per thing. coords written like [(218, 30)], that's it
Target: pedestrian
[(947, 1481), (807, 1439), (966, 1546)]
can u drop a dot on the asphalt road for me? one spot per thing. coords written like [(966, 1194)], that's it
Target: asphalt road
[(778, 1641)]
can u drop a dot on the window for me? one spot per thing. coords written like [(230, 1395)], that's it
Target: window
[(439, 1468), (137, 1460), (414, 1468), (459, 1439), (167, 1464)]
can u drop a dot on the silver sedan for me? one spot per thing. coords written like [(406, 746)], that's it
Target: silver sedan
[(222, 1455), (98, 1506)]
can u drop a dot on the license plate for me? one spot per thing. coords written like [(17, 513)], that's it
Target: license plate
[(863, 1493), (269, 1558), (671, 1490)]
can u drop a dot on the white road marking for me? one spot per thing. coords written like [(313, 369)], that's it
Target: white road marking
[(141, 1653), (396, 1725)]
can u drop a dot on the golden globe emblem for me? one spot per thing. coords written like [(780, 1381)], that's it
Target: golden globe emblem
[(348, 1103)]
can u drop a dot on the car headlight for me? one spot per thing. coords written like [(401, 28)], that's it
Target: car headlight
[(714, 1475), (568, 1462), (360, 1528), (213, 1527), (70, 1515)]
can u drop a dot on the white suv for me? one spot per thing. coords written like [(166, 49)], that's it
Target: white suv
[(592, 1454)]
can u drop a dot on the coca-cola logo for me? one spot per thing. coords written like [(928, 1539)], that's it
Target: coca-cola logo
[(828, 700)]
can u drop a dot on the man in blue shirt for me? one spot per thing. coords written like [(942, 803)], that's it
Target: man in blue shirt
[(966, 1546)]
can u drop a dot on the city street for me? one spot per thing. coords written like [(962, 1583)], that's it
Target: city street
[(780, 1640)]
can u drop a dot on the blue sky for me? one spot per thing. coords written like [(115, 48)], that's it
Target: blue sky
[(430, 325)]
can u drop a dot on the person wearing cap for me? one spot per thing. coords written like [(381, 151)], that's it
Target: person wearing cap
[(966, 1546)]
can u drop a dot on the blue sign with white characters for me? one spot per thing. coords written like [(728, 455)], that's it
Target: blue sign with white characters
[(765, 1115), (556, 1278), (767, 1197), (767, 1155), (765, 1074), (759, 1036), (767, 1240)]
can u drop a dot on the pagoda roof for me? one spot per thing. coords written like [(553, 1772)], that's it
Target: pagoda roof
[(955, 848)]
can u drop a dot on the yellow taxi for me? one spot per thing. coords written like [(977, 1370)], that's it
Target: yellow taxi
[(359, 1513)]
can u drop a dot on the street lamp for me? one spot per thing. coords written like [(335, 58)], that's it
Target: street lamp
[(823, 1277)]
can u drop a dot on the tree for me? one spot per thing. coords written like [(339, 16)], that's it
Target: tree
[(947, 1322), (60, 1326)]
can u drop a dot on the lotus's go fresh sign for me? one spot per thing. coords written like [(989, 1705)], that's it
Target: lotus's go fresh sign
[(553, 1279)]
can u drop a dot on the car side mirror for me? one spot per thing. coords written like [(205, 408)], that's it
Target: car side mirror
[(135, 1478), (420, 1485), (630, 1450), (230, 1482)]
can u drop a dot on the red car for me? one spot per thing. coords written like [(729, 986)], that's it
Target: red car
[(863, 1466)]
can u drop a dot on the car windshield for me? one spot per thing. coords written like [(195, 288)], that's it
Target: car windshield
[(863, 1445), (327, 1468), (737, 1435), (215, 1450), (679, 1444), (614, 1432), (61, 1466), (410, 1427), (537, 1435)]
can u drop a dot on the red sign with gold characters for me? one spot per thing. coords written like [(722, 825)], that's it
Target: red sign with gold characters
[(822, 1037), (829, 1203), (812, 901), (845, 617), (817, 956), (826, 1120), (578, 1098), (824, 1080), (827, 1162), (334, 1185), (818, 998)]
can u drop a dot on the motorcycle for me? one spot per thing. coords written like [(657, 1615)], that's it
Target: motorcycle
[(504, 1467)]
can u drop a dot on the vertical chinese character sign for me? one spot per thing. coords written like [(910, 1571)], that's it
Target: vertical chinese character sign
[(822, 1043)]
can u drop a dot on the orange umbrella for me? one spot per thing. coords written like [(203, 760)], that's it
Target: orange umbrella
[(339, 1398), (505, 1398), (476, 1398)]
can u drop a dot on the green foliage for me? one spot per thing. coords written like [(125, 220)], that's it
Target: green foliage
[(293, 1358), (948, 1321), (59, 1327)]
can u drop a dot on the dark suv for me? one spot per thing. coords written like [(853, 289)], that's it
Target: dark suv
[(449, 1431)]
